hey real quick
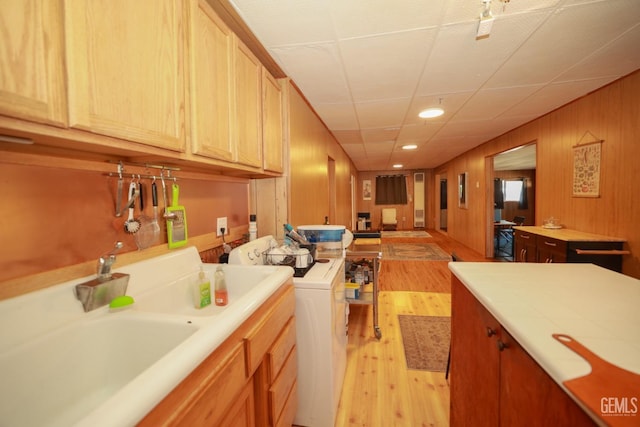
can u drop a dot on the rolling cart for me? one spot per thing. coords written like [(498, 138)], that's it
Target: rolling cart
[(365, 255)]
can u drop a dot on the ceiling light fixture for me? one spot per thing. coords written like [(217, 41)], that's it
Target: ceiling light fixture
[(397, 165), (431, 113), (409, 147), (486, 21)]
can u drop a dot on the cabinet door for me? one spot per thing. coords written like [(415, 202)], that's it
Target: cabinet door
[(525, 247), (32, 83), (528, 396), (212, 80), (551, 250), (272, 143), (126, 69), (242, 414), (474, 361), (248, 109)]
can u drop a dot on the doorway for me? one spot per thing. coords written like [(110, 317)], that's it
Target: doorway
[(511, 184), (441, 202)]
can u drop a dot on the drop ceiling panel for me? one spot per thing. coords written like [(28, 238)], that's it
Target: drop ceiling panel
[(449, 72), (611, 61), (556, 95), (412, 14), (286, 22), (384, 113), (386, 66), (568, 36), (368, 67), (319, 68)]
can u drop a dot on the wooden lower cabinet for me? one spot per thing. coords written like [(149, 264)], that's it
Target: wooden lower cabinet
[(494, 382), (536, 244), (237, 384)]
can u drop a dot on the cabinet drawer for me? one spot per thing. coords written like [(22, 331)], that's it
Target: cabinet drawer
[(524, 236), (277, 356), (261, 337), (281, 387), (551, 245), (290, 407)]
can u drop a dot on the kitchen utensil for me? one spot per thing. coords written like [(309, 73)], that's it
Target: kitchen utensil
[(119, 196), (604, 381), (177, 227), (154, 223), (132, 225), (145, 236)]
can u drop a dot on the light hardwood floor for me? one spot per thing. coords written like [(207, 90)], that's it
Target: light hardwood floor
[(379, 390)]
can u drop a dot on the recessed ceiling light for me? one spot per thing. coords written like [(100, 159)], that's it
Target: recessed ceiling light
[(430, 113), (409, 147), (397, 166)]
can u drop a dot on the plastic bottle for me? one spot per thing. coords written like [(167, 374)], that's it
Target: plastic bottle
[(293, 235), (220, 292), (202, 291), (253, 227), (359, 276)]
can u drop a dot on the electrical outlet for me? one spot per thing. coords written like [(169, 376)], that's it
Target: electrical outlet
[(222, 223)]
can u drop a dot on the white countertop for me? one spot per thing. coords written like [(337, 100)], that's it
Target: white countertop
[(597, 307)]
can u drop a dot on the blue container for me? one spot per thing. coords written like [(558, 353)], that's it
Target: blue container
[(322, 233)]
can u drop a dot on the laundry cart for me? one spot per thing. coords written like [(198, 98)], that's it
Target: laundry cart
[(362, 268)]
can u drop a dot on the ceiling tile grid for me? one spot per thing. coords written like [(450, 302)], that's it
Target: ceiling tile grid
[(369, 66)]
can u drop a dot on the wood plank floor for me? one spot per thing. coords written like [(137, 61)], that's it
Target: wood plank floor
[(379, 390)]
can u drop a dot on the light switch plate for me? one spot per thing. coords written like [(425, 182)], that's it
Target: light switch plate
[(222, 223)]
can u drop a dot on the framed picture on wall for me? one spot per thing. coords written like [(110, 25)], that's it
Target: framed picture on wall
[(462, 190), (366, 189)]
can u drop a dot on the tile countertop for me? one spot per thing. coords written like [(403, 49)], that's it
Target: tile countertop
[(597, 307)]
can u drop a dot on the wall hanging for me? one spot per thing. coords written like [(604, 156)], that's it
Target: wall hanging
[(586, 168)]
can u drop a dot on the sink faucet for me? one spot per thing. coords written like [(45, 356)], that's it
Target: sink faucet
[(106, 286), (106, 261)]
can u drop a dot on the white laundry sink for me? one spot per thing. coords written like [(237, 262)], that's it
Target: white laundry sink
[(59, 378), (176, 297)]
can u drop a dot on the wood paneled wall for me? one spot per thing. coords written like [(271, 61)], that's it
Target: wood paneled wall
[(612, 114), (404, 213), (310, 148), (54, 216)]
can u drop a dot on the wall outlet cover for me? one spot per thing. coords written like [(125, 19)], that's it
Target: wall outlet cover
[(221, 223)]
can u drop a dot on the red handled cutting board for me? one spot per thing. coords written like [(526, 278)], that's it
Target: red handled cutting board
[(609, 391)]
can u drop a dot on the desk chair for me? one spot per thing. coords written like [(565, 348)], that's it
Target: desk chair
[(507, 234), (389, 221)]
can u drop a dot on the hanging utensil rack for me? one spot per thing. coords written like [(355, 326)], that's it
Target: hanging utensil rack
[(165, 175)]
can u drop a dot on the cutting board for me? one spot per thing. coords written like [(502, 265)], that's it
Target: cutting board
[(608, 391)]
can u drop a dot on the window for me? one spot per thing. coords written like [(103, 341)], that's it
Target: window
[(512, 190)]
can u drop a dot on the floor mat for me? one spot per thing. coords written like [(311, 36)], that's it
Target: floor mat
[(414, 251), (426, 341), (405, 234)]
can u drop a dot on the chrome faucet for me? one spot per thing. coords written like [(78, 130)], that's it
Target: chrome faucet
[(106, 286)]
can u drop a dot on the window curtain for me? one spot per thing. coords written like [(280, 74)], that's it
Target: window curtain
[(523, 203), (391, 190), (498, 194)]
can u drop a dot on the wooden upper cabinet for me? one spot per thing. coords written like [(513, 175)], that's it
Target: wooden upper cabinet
[(212, 84), (272, 123), (248, 106), (32, 83), (126, 69)]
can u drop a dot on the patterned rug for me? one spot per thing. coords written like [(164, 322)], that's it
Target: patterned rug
[(411, 251), (426, 341), (405, 234)]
